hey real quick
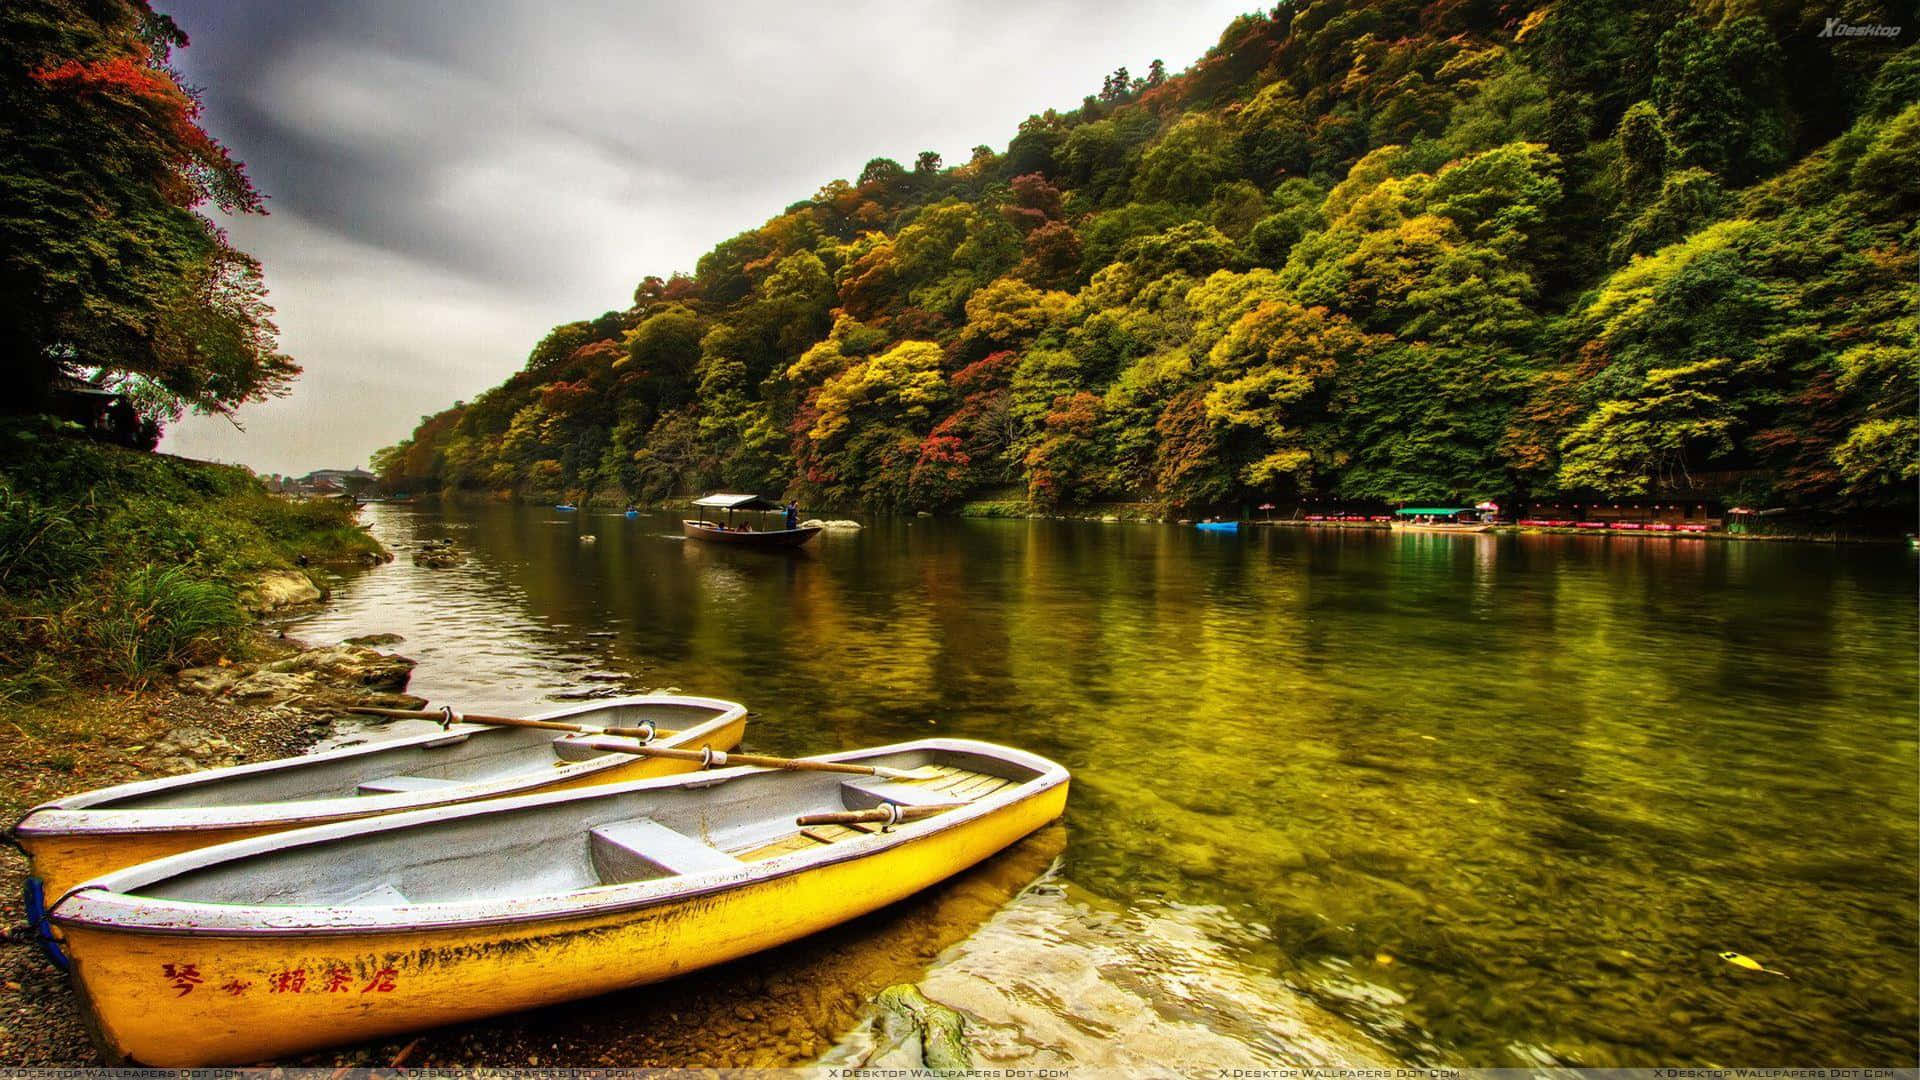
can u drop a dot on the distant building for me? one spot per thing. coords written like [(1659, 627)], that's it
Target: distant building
[(328, 482), (339, 478)]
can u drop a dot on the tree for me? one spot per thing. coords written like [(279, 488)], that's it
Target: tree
[(664, 352), (1275, 368), (1642, 149), (1675, 419), (104, 263), (1720, 97), (1186, 162), (1064, 468)]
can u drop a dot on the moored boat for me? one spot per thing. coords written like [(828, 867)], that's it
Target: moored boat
[(69, 840), (728, 533), (357, 930), (1429, 519)]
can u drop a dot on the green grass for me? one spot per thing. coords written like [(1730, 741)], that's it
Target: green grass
[(115, 565), (997, 508)]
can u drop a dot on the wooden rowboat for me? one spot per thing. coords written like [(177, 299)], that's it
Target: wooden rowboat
[(86, 835), (362, 929)]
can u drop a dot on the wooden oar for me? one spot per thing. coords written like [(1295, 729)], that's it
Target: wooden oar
[(508, 721), (887, 814), (710, 758)]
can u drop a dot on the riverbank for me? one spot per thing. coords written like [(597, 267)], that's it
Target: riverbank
[(276, 704), (118, 567)]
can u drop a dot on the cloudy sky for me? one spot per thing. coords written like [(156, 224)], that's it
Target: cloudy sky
[(448, 179)]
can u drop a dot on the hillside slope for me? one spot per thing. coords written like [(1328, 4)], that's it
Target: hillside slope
[(1369, 252)]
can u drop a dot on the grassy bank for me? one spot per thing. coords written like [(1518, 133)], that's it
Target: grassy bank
[(117, 565)]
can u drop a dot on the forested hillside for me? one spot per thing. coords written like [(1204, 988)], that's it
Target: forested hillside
[(1372, 252)]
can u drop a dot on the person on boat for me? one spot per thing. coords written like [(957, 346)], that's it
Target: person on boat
[(793, 516)]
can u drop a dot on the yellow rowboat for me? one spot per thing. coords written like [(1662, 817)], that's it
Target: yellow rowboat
[(70, 840), (348, 932)]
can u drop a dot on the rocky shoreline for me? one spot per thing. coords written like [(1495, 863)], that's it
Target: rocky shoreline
[(281, 699)]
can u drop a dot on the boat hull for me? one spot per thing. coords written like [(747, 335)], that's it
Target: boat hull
[(1412, 528), (358, 985), (68, 845), (769, 538)]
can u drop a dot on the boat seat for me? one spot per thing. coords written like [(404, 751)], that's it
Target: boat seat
[(393, 785), (869, 792), (639, 850)]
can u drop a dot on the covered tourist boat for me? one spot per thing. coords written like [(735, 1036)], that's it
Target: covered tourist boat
[(1459, 519), (727, 532), (342, 933)]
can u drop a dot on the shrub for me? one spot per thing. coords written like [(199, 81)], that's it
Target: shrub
[(162, 617)]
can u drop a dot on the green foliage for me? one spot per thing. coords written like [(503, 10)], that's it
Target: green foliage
[(114, 563), (161, 617), (1718, 88), (1363, 251), (1630, 443)]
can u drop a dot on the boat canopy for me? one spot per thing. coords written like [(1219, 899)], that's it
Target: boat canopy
[(1429, 511), (724, 501)]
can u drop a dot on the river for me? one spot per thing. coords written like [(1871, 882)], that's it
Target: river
[(1486, 800)]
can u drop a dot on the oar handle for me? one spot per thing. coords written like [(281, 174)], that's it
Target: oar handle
[(886, 815), (504, 721)]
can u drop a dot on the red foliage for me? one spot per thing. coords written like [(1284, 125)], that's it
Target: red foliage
[(1035, 202), (1052, 255), (562, 398), (198, 167), (680, 287), (992, 372), (1187, 463), (942, 472), (919, 324), (122, 75), (1075, 414)]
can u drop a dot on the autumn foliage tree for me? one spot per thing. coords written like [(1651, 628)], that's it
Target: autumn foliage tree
[(105, 265)]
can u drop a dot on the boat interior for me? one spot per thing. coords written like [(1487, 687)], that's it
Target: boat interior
[(692, 824), (466, 754)]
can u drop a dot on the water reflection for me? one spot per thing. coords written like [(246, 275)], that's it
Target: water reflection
[(1498, 800)]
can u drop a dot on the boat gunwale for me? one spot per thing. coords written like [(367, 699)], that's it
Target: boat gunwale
[(82, 815), (102, 904)]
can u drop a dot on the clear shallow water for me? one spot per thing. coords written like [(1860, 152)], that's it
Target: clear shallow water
[(1493, 800)]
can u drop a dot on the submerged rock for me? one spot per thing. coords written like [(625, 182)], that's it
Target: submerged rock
[(817, 523), (374, 639), (915, 1033), (438, 555), (277, 589)]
